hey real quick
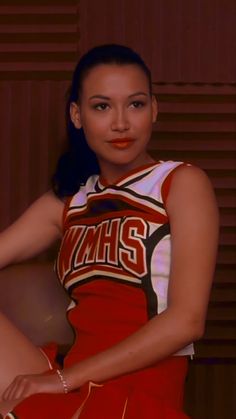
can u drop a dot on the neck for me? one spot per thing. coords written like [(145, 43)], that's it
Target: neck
[(113, 172)]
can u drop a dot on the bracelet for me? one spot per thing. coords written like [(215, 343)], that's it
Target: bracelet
[(63, 381)]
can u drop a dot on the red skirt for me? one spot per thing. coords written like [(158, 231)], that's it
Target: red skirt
[(155, 392)]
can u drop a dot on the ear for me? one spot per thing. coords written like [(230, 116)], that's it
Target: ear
[(154, 109), (75, 115)]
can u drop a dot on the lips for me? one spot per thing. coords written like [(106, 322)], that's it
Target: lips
[(121, 143)]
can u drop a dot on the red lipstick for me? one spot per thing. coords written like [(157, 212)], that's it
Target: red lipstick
[(121, 143)]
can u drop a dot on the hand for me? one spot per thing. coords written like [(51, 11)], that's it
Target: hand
[(25, 385)]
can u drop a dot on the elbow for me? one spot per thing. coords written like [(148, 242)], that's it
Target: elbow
[(198, 333), (196, 330), (190, 323)]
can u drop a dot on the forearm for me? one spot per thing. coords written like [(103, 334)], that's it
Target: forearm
[(160, 337)]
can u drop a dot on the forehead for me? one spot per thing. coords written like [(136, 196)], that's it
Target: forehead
[(112, 78)]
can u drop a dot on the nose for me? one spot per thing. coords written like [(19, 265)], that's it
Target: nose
[(120, 121)]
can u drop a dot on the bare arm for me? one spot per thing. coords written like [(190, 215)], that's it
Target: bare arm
[(34, 231), (194, 225)]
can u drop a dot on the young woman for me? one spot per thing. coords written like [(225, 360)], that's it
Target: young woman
[(137, 256)]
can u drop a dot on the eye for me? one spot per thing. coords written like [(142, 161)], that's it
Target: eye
[(100, 106), (137, 104)]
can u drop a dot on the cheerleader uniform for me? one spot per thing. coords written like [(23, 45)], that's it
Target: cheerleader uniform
[(114, 261)]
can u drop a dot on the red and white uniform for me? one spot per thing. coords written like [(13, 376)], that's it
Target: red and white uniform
[(114, 261)]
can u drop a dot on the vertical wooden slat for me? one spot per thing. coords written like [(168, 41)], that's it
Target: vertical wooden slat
[(32, 137), (5, 155), (210, 390), (38, 50), (182, 41)]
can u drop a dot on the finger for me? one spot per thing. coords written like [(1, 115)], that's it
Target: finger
[(21, 389), (16, 389), (7, 392)]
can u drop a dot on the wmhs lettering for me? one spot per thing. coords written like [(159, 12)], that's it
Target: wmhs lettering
[(112, 242)]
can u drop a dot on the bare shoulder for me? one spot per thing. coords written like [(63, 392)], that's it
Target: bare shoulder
[(34, 231), (49, 206), (191, 175), (49, 198), (191, 186)]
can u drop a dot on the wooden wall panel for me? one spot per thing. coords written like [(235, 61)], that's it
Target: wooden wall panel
[(210, 390), (182, 41), (38, 50), (32, 136), (38, 39)]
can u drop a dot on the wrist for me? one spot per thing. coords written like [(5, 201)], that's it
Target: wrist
[(64, 383)]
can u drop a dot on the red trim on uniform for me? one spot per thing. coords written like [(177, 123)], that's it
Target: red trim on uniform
[(65, 210), (132, 172)]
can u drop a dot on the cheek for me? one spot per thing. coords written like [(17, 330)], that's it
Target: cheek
[(94, 133), (93, 126), (89, 135), (144, 123)]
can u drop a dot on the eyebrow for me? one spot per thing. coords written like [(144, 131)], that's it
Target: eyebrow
[(108, 98)]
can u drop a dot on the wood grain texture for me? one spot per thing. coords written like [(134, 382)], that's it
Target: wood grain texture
[(182, 41)]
